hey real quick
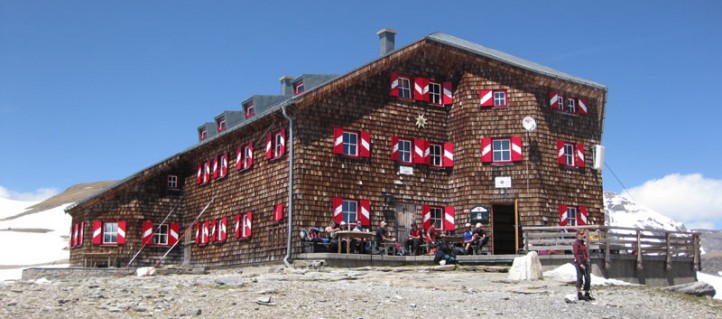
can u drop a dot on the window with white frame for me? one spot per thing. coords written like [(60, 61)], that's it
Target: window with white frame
[(500, 98), (435, 93), (247, 157), (571, 106), (160, 234), (110, 233), (405, 151), (172, 182), (572, 216), (278, 145), (349, 210), (501, 150), (435, 155), (350, 143), (569, 151), (437, 217), (202, 134), (404, 88), (298, 89), (221, 124), (249, 110)]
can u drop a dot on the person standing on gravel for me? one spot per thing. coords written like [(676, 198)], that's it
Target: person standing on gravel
[(581, 261)]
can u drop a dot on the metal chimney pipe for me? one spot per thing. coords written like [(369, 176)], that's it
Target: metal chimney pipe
[(286, 86), (387, 38)]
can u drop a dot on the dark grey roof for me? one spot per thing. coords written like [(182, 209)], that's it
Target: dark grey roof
[(232, 118), (507, 58), (268, 104)]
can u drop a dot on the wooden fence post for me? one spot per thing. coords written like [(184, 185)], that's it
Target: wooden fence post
[(639, 250), (695, 243), (669, 252), (607, 253)]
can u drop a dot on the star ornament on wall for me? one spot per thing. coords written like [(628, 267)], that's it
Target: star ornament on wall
[(421, 121)]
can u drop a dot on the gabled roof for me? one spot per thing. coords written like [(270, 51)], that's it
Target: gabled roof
[(321, 81)]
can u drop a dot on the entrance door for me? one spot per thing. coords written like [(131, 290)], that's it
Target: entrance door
[(503, 229), (404, 215)]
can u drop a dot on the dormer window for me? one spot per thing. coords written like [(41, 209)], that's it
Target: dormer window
[(298, 89), (249, 110), (172, 182), (221, 124), (202, 134)]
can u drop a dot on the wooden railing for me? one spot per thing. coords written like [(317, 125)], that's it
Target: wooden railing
[(609, 240)]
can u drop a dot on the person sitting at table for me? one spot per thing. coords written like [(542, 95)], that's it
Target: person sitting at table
[(468, 239), (382, 235), (414, 239), (480, 239), (331, 230), (358, 243)]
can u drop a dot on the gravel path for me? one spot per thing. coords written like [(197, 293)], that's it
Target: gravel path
[(274, 292)]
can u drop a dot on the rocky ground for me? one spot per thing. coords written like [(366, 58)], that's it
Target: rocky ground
[(275, 292)]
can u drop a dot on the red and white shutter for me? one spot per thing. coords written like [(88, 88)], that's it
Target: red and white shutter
[(563, 216), (216, 168), (199, 177), (278, 213), (486, 98), (394, 148), (560, 153), (582, 106), (79, 241), (269, 146), (173, 234), (555, 99), (421, 89), (205, 232), (448, 159), (338, 141), (224, 165), (249, 155), (426, 216), (420, 147), (213, 227), (394, 84), (121, 232), (199, 234), (365, 149), (448, 97), (337, 210), (364, 215), (583, 218), (516, 149), (73, 231), (487, 156), (237, 226), (206, 172), (449, 213), (97, 233), (283, 142), (247, 224), (223, 229), (146, 237), (579, 156), (239, 157)]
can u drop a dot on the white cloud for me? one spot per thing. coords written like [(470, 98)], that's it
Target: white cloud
[(39, 194), (691, 199)]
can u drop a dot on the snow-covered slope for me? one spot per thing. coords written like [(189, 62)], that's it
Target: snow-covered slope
[(622, 211)]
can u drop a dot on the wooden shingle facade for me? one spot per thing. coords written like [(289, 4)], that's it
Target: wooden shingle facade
[(424, 134)]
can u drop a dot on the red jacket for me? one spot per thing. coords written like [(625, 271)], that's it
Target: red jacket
[(580, 252)]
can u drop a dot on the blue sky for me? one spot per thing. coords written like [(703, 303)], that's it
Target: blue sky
[(98, 90)]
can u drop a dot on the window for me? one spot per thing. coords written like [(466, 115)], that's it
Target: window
[(244, 157), (202, 134), (442, 217), (221, 124), (493, 98), (350, 144), (435, 93), (437, 217), (349, 211), (110, 233), (436, 154), (501, 150), (219, 231), (172, 182), (249, 110), (243, 225), (275, 144), (572, 215), (405, 151), (571, 106), (404, 88), (570, 154), (298, 89), (160, 234)]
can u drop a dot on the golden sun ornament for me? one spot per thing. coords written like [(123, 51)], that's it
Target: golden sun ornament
[(421, 121)]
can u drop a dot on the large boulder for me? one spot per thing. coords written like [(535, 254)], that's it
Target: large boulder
[(526, 268), (699, 288)]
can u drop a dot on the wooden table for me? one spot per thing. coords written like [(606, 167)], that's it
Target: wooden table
[(348, 235)]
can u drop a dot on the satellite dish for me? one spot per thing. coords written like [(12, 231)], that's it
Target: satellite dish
[(529, 123)]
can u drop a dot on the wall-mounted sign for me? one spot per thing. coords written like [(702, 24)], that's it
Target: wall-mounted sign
[(406, 170), (503, 182), (479, 214)]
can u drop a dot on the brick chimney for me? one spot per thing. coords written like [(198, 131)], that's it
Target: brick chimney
[(387, 40), (286, 86)]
